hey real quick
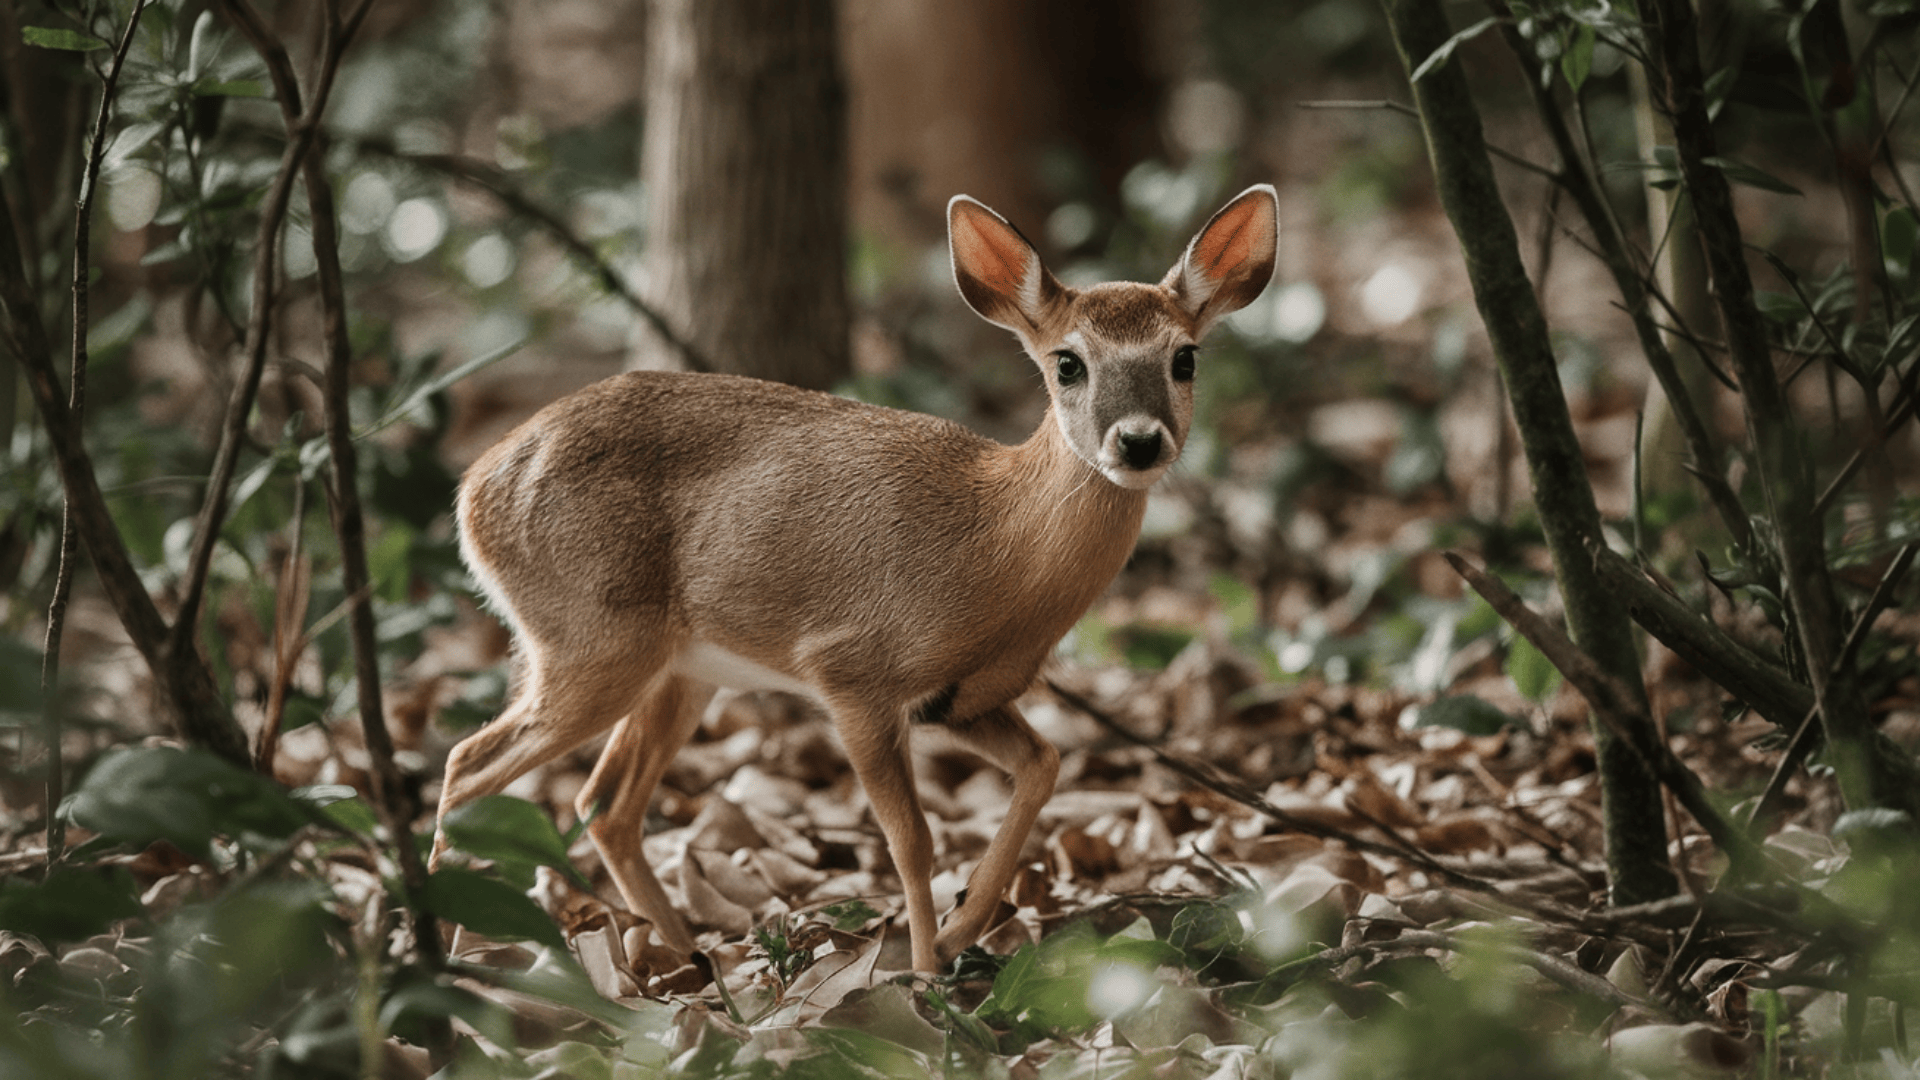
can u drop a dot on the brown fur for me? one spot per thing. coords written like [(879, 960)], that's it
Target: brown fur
[(879, 560)]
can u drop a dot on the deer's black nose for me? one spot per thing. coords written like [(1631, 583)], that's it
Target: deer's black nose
[(1140, 451)]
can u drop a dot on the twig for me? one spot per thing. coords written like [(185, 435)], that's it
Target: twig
[(213, 509), (1407, 110), (1559, 971), (76, 409), (1617, 707), (1209, 778), (1633, 285), (1802, 740), (1902, 410), (303, 127), (1765, 687), (1785, 473), (496, 183), (189, 696), (289, 638)]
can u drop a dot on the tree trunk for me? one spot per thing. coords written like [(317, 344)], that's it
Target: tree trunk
[(745, 169), (1635, 822)]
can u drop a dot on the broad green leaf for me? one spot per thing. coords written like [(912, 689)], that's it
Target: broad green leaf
[(72, 904), (1577, 62), (1530, 670), (489, 906), (47, 37), (420, 999), (1464, 712), (186, 797), (514, 834), (1741, 173), (1446, 49), (847, 1052)]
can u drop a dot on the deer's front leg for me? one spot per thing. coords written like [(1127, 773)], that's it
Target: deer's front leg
[(1004, 738), (876, 746)]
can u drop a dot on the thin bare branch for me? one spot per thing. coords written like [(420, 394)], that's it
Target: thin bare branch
[(1617, 706), (77, 409), (1802, 741), (1383, 105), (397, 809), (481, 175)]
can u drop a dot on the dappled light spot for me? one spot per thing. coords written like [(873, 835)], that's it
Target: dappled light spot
[(1392, 295), (416, 228)]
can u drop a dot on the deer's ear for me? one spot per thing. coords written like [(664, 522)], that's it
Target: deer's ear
[(1230, 262), (999, 274)]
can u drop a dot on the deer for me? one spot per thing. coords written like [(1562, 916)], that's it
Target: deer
[(659, 535)]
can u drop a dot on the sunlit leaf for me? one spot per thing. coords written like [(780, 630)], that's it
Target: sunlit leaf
[(1446, 49)]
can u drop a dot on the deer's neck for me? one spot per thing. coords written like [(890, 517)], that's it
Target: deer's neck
[(1058, 517)]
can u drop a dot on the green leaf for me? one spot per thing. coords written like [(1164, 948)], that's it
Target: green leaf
[(353, 815), (390, 563), (1464, 712), (1530, 670), (1577, 62), (131, 140), (850, 915), (21, 700), (72, 904), (240, 88), (1441, 54), (1897, 236), (1741, 173), (1719, 85), (47, 37), (420, 999), (202, 48), (1784, 309), (489, 906), (847, 1052), (186, 797), (438, 383), (515, 835)]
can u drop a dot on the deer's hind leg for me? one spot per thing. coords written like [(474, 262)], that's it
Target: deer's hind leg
[(616, 797), (568, 699)]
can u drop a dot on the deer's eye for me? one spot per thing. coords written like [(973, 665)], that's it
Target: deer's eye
[(1070, 368), (1183, 363)]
